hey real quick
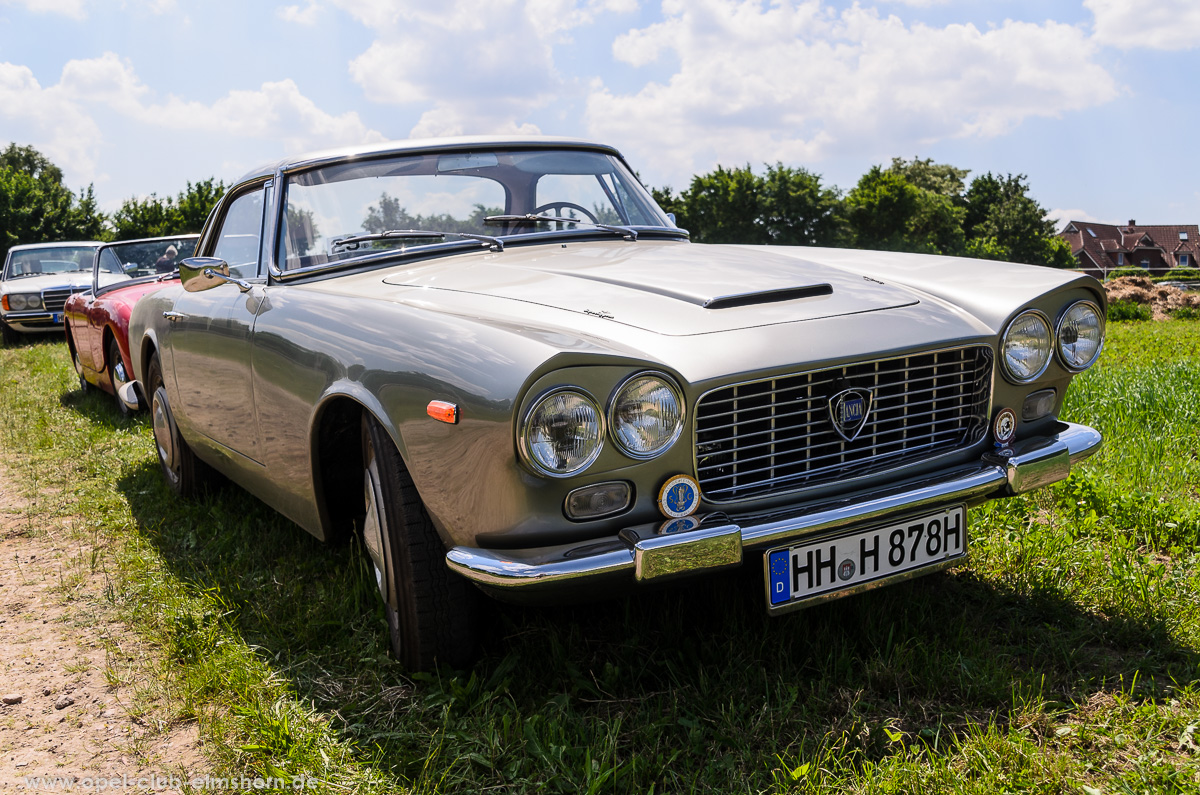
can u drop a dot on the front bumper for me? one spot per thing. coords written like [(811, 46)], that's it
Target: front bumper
[(653, 552), (34, 322)]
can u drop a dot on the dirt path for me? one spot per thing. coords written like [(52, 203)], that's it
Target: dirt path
[(77, 686)]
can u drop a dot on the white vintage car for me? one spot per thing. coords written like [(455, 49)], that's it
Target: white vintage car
[(505, 367), (36, 282)]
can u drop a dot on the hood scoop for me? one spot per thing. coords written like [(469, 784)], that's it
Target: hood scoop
[(768, 296), (717, 302)]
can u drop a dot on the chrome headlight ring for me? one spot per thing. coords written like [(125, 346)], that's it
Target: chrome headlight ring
[(1062, 324), (614, 422), (535, 451), (1049, 337)]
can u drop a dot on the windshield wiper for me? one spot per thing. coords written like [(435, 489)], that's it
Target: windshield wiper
[(494, 243), (529, 218)]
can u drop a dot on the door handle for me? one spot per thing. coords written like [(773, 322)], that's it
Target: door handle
[(174, 317)]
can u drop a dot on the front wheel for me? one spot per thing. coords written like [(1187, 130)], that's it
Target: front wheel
[(431, 611), (117, 375), (187, 475)]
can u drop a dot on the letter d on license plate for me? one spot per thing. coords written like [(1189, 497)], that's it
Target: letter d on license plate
[(837, 565)]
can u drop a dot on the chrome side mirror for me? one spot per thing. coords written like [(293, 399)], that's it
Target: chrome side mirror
[(204, 273)]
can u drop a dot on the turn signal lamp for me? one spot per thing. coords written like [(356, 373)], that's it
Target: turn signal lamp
[(593, 502), (442, 411)]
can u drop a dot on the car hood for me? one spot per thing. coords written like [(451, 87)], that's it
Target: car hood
[(47, 281), (669, 288)]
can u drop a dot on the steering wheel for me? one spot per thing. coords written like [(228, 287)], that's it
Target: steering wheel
[(559, 206)]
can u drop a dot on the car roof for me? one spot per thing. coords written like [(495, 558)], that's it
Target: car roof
[(414, 145), (61, 244)]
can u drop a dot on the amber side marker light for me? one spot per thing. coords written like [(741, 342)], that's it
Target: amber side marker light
[(443, 411), (4, 302)]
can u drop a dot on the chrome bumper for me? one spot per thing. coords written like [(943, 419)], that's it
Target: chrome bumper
[(652, 552)]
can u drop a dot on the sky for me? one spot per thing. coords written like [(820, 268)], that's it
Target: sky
[(1096, 101)]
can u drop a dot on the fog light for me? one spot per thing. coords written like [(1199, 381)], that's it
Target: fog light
[(1039, 404), (593, 502)]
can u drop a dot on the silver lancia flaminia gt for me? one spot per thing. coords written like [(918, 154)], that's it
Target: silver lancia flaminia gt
[(501, 363)]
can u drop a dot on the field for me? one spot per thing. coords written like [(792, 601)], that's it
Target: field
[(1065, 657)]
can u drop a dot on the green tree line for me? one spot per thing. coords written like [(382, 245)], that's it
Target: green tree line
[(37, 207), (912, 205)]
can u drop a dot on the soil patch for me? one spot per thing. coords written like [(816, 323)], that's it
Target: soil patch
[(76, 695)]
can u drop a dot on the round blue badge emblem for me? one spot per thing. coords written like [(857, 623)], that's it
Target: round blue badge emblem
[(679, 497)]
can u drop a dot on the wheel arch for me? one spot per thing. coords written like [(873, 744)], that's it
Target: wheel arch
[(337, 456)]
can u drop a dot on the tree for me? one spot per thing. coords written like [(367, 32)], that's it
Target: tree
[(939, 178), (160, 217), (35, 205), (886, 211), (1003, 222), (786, 206)]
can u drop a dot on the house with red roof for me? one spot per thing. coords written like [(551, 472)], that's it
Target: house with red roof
[(1101, 248)]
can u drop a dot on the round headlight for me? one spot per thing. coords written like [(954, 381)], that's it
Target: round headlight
[(1080, 335), (33, 301), (1026, 347), (646, 415), (563, 433), (16, 301)]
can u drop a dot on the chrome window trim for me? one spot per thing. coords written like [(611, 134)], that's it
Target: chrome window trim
[(523, 447), (673, 385), (848, 482), (1058, 330), (1012, 379)]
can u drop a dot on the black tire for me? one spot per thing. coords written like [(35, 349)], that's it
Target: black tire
[(185, 474), (431, 611), (117, 375), (9, 336), (84, 386)]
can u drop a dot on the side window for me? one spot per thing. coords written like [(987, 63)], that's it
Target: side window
[(109, 262), (241, 233)]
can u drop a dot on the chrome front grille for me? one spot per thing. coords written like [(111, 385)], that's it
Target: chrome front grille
[(776, 435), (54, 300)]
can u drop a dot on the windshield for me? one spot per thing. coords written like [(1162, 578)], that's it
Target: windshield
[(454, 193), (38, 261), (146, 257)]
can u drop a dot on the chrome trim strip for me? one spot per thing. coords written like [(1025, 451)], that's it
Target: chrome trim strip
[(992, 476)]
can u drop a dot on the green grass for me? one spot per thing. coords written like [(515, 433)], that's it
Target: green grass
[(1064, 658)]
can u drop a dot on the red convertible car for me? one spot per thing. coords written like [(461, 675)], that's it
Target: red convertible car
[(97, 320)]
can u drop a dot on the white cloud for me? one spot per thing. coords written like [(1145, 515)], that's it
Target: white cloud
[(474, 67), (75, 9), (800, 81), (301, 16), (59, 119), (49, 118), (1062, 217), (1160, 25)]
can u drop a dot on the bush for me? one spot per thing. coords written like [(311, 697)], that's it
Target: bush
[(1117, 273), (1127, 310), (1186, 313), (1180, 275)]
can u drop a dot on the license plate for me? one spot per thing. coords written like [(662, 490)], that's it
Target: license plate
[(56, 317), (849, 561)]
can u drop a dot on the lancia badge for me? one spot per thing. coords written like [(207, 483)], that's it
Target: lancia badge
[(679, 497), (848, 411)]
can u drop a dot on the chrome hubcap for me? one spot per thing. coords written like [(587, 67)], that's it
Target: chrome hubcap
[(372, 527), (164, 439), (119, 375)]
